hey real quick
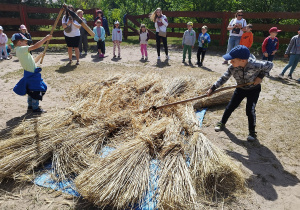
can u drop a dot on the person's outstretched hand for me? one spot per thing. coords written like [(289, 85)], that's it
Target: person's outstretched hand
[(48, 37), (257, 81), (209, 92)]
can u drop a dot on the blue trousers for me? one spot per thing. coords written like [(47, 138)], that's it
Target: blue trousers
[(32, 102), (232, 42), (293, 62)]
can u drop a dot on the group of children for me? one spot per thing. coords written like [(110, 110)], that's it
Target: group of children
[(5, 48), (188, 42), (100, 38)]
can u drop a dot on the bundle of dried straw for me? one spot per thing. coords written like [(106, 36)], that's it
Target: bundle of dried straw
[(108, 112)]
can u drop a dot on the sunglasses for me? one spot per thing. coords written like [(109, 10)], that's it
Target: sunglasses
[(240, 15)]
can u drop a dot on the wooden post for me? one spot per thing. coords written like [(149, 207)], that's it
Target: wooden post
[(24, 16), (225, 22), (126, 28)]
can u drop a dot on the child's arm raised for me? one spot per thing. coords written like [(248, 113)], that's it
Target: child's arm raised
[(39, 43)]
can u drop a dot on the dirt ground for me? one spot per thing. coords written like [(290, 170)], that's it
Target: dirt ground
[(271, 165)]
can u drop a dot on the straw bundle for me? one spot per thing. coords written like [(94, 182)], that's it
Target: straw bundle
[(108, 112), (176, 188), (212, 170), (121, 179)]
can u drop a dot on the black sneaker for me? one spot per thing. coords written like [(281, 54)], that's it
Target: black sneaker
[(219, 127), (252, 136), (39, 110), (200, 64), (29, 108), (183, 61)]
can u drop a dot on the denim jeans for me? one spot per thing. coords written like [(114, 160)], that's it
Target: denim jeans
[(232, 42), (293, 62), (33, 103)]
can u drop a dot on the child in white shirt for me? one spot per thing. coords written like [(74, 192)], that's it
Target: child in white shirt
[(117, 38)]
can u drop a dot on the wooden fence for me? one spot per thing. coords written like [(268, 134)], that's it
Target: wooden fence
[(222, 26), (223, 17), (23, 18)]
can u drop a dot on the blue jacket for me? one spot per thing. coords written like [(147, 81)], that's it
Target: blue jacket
[(206, 38), (96, 37), (30, 82)]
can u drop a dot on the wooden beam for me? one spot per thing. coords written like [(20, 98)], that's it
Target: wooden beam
[(10, 21), (9, 7), (195, 26)]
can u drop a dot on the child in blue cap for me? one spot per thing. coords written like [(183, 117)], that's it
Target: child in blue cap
[(245, 69), (32, 82)]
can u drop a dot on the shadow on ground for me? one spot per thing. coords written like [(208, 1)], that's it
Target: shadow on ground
[(267, 170), (12, 123), (66, 69)]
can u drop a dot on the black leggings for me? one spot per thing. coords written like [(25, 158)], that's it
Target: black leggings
[(101, 46), (201, 51), (164, 39), (252, 98)]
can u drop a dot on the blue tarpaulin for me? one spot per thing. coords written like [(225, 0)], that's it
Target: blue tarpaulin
[(150, 200)]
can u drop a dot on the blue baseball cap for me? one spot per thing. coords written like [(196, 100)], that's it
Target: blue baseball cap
[(18, 36), (240, 51)]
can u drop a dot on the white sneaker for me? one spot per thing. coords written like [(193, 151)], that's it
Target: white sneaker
[(167, 57), (280, 75), (158, 58)]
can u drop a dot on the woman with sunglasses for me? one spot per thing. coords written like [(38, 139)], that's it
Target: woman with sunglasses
[(236, 28)]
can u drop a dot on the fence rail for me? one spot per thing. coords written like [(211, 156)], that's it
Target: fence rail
[(224, 18)]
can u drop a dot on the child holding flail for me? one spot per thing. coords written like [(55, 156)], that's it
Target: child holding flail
[(204, 40), (32, 82), (117, 38), (245, 69), (99, 38), (144, 37), (188, 41)]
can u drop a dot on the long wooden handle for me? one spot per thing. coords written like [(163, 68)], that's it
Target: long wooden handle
[(203, 96), (52, 30), (78, 19)]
